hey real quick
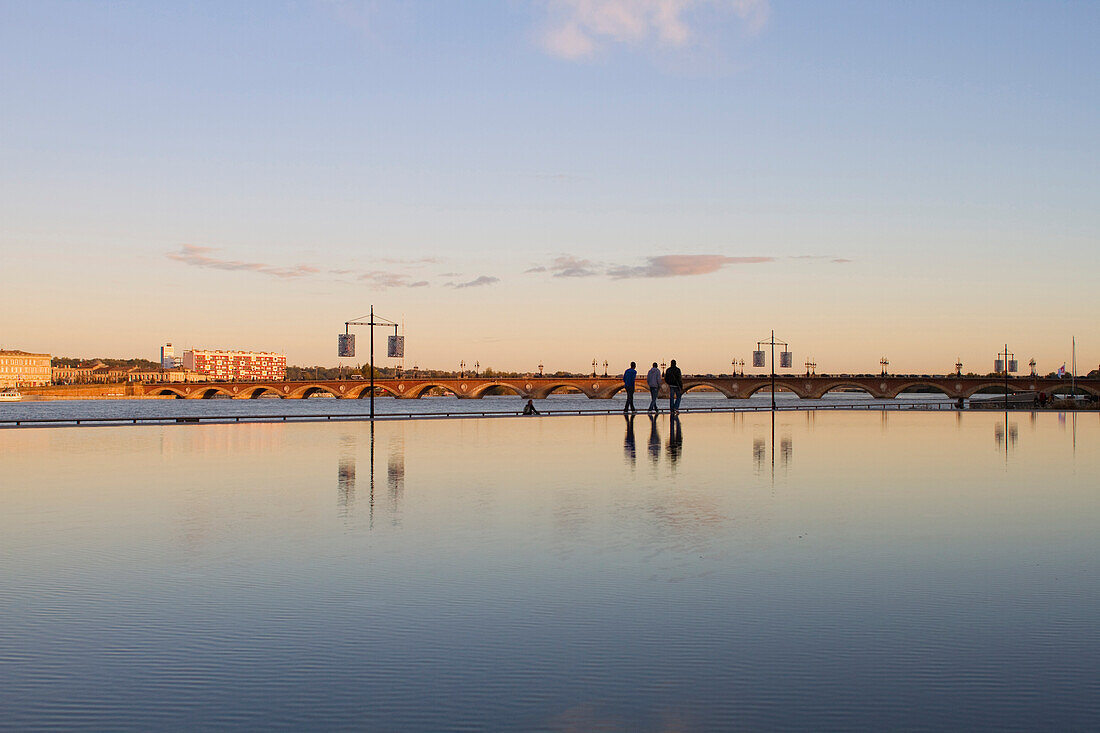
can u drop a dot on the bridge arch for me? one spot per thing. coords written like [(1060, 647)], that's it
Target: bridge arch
[(363, 393), (561, 388), (717, 388), (481, 389), (418, 391), (306, 391), (780, 384), (849, 387), (256, 391), (206, 393), (924, 386), (166, 391)]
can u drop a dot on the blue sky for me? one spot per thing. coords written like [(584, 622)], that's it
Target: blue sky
[(554, 181)]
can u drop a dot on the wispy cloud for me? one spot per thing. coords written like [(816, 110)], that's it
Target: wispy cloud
[(570, 266), (476, 282), (578, 29), (840, 260), (195, 256), (682, 265)]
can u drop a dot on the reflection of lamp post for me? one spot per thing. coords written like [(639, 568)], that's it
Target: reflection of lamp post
[(786, 359), (540, 368), (605, 367), (959, 367), (593, 367), (884, 362)]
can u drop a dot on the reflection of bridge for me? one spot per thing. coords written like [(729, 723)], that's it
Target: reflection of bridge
[(605, 387)]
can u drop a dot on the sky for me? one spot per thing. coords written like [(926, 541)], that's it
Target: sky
[(554, 181)]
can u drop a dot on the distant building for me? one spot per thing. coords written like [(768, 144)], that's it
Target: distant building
[(24, 369), (168, 358), (236, 365), (96, 372)]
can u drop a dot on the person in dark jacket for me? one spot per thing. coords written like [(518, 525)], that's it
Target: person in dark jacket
[(629, 376), (529, 408), (675, 381)]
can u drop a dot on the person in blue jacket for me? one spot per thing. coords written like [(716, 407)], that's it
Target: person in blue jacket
[(629, 376)]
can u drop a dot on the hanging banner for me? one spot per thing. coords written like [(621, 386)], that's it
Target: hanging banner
[(396, 347), (345, 344)]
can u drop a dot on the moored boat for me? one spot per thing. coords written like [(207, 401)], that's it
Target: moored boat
[(10, 394)]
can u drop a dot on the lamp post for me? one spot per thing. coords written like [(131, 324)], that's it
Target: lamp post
[(605, 367), (477, 366), (785, 358), (1008, 364), (593, 367), (462, 369), (1032, 365), (811, 367), (884, 362), (959, 367), (540, 368), (347, 345)]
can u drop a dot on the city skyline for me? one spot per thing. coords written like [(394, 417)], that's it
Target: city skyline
[(554, 182)]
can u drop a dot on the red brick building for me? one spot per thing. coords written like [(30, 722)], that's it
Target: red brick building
[(236, 365)]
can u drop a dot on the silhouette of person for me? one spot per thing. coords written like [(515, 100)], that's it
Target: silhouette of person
[(654, 440), (629, 376), (675, 381), (675, 439), (629, 449), (653, 381), (529, 408)]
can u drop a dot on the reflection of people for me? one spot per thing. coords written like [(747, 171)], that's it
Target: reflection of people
[(629, 376), (628, 442), (654, 440), (675, 382), (529, 408), (675, 438), (653, 381)]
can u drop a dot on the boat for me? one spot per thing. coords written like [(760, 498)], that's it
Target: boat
[(11, 394)]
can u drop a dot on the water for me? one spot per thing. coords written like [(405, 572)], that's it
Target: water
[(146, 408), (833, 570)]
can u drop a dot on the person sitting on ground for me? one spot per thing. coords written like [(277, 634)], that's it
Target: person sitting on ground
[(529, 408)]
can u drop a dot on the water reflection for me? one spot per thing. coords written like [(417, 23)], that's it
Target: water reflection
[(1011, 430), (629, 450), (675, 439), (654, 441)]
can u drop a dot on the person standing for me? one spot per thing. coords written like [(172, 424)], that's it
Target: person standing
[(629, 377), (653, 381), (675, 381)]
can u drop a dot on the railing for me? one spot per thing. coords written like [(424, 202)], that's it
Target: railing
[(230, 419)]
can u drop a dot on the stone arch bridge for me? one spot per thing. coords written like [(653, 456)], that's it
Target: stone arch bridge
[(733, 387)]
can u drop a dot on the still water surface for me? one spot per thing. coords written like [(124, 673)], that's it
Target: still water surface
[(835, 570)]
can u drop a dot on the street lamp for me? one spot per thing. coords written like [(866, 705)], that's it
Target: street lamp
[(540, 368), (884, 362), (477, 365), (1032, 365), (593, 367), (959, 367), (786, 359), (605, 367), (462, 369), (395, 348), (811, 367), (416, 371), (1006, 364)]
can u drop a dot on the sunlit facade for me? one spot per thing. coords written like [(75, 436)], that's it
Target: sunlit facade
[(24, 369)]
